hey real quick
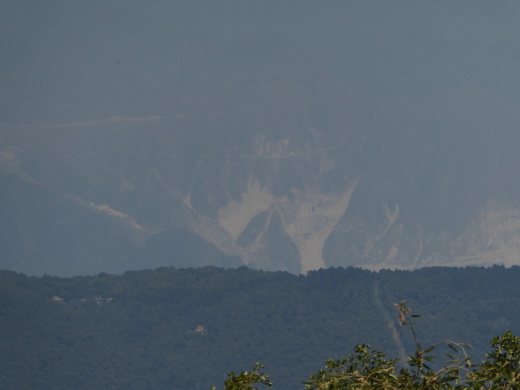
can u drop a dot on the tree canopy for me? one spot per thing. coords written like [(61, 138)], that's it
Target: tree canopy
[(186, 328), (367, 368)]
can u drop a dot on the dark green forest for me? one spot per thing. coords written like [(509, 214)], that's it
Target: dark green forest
[(186, 328)]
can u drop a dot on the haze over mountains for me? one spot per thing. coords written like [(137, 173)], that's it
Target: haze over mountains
[(279, 135)]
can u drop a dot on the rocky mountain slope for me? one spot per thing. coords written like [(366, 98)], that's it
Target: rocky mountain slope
[(125, 142)]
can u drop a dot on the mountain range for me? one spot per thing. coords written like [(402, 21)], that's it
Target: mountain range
[(129, 142)]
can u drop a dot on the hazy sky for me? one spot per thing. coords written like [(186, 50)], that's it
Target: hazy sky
[(377, 47), (321, 28)]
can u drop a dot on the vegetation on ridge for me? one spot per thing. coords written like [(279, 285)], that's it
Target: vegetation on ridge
[(185, 328)]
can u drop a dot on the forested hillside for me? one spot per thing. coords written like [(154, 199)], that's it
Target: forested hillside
[(185, 328)]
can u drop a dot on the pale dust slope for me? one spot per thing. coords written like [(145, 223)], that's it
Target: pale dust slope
[(237, 214), (318, 215), (494, 238), (308, 219)]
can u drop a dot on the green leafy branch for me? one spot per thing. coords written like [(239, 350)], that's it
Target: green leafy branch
[(246, 379), (366, 368)]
